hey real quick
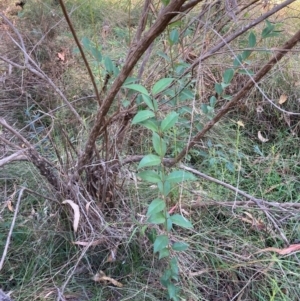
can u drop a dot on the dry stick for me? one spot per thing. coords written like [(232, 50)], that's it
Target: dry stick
[(29, 62), (63, 7), (17, 156), (249, 85), (227, 40), (11, 228), (258, 202), (168, 13)]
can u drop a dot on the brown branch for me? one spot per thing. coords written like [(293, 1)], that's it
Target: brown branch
[(230, 38), (136, 51), (242, 93), (63, 7), (17, 156)]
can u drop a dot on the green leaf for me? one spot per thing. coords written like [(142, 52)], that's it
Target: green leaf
[(159, 145), (227, 76), (149, 176), (174, 37), (149, 160), (181, 221), (212, 101), (161, 85), (156, 206), (169, 224), (227, 97), (130, 80), (86, 43), (164, 253), (138, 88), (169, 121), (165, 278), (179, 176), (165, 2), (246, 71), (164, 188), (142, 116), (157, 218), (204, 108), (218, 88), (252, 40), (96, 54), (160, 243), (108, 65), (150, 124), (237, 61), (152, 234), (180, 246), (174, 266), (246, 54), (172, 291), (148, 101)]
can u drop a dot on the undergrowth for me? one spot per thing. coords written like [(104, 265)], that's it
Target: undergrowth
[(223, 260)]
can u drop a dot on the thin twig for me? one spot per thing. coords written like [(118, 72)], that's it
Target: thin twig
[(11, 228)]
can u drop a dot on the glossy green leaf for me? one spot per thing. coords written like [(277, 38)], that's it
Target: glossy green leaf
[(161, 85), (181, 221), (138, 88), (252, 40), (164, 253), (159, 144), (156, 206), (149, 176), (169, 121), (179, 176), (149, 160), (227, 76), (160, 243), (150, 124), (218, 88), (157, 218), (180, 246), (142, 116)]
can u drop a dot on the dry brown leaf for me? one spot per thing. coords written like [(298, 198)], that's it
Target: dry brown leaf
[(87, 243), (10, 206), (61, 56), (75, 208), (113, 255), (256, 224), (282, 99), (285, 251), (261, 138), (101, 277)]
